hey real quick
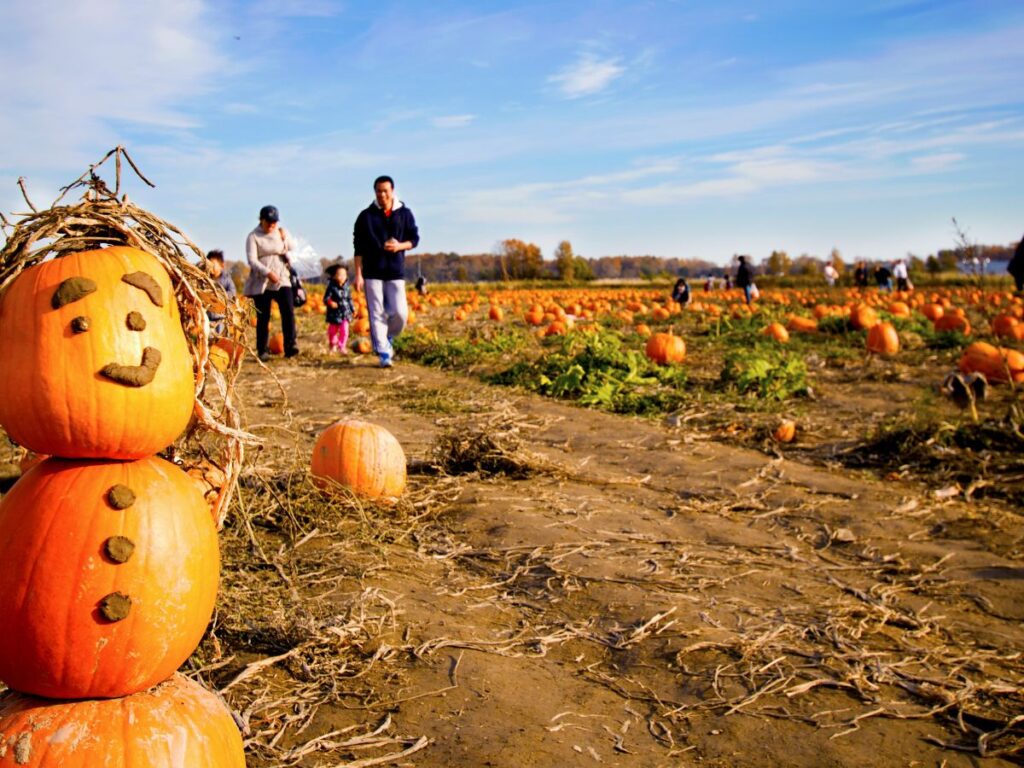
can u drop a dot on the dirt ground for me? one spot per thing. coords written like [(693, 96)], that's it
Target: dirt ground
[(640, 595)]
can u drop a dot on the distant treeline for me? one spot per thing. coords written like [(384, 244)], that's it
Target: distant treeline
[(517, 260)]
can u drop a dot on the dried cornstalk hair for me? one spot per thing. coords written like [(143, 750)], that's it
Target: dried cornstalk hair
[(103, 218)]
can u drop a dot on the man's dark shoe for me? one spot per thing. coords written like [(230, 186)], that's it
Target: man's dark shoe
[(291, 353)]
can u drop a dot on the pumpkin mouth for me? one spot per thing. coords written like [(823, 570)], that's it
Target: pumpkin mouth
[(134, 375)]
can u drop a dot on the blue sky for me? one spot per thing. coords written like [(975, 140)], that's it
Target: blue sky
[(690, 129)]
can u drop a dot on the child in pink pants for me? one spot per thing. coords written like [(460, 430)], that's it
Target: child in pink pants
[(338, 300)]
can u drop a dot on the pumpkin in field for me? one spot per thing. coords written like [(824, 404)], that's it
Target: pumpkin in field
[(951, 322), (496, 314), (863, 317), (363, 346), (785, 431), (799, 324), (361, 456), (776, 331), (933, 311), (996, 363), (665, 349), (1004, 325), (109, 576), (275, 345), (178, 723), (95, 359), (642, 329), (883, 339)]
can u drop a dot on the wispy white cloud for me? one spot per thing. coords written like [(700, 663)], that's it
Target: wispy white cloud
[(86, 69), (296, 8), (587, 76), (453, 121), (938, 162)]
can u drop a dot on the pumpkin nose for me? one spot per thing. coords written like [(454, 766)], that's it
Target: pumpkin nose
[(135, 375)]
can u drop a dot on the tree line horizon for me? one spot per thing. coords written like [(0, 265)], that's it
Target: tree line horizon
[(514, 259)]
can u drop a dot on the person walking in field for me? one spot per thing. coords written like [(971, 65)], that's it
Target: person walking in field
[(383, 232), (1016, 267), (831, 275), (340, 311), (266, 249), (745, 279), (899, 271)]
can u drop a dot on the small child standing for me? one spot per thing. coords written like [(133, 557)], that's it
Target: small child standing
[(338, 300)]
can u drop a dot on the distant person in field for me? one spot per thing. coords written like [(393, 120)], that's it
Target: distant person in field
[(860, 275), (340, 310), (421, 285), (266, 249), (215, 266), (899, 271), (883, 278), (681, 292), (1016, 267), (831, 275), (728, 282), (383, 232), (745, 279)]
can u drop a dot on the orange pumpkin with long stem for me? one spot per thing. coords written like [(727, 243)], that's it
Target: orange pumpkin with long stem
[(95, 360), (178, 723), (109, 576)]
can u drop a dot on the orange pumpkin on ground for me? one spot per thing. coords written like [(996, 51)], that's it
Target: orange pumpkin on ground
[(785, 431), (883, 339), (496, 314), (361, 456), (177, 723), (949, 323), (1003, 325), (109, 578), (863, 317), (363, 346), (95, 360), (799, 324), (642, 329), (275, 345), (666, 349), (776, 331), (932, 311), (996, 363)]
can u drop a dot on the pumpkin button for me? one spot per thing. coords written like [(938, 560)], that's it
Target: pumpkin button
[(115, 606), (119, 548), (120, 496), (136, 322)]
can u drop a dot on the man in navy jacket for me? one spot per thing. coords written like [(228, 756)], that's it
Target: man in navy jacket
[(384, 231)]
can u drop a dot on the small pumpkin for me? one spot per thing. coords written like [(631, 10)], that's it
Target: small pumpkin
[(177, 723), (109, 576), (863, 317), (776, 331), (785, 431), (951, 322), (496, 313), (666, 349), (883, 339), (275, 344), (95, 359), (361, 456)]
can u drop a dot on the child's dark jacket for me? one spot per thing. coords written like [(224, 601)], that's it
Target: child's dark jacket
[(342, 296)]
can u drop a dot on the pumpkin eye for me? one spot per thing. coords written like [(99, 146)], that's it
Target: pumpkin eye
[(120, 496), (80, 324), (136, 322), (72, 289), (147, 283)]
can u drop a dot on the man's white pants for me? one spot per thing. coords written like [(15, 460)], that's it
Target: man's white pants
[(388, 310)]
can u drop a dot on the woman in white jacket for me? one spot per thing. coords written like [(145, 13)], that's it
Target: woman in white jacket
[(266, 249)]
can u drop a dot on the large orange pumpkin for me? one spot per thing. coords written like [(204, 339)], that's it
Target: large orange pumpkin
[(95, 359), (109, 576), (997, 363), (361, 456), (178, 723), (883, 339), (665, 349)]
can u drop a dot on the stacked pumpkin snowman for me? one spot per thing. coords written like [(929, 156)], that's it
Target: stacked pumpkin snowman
[(109, 559)]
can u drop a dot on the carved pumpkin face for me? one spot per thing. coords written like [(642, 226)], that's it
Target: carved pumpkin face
[(109, 576), (177, 723), (96, 362)]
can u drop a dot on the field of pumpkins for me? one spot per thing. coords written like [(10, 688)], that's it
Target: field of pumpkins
[(581, 493)]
